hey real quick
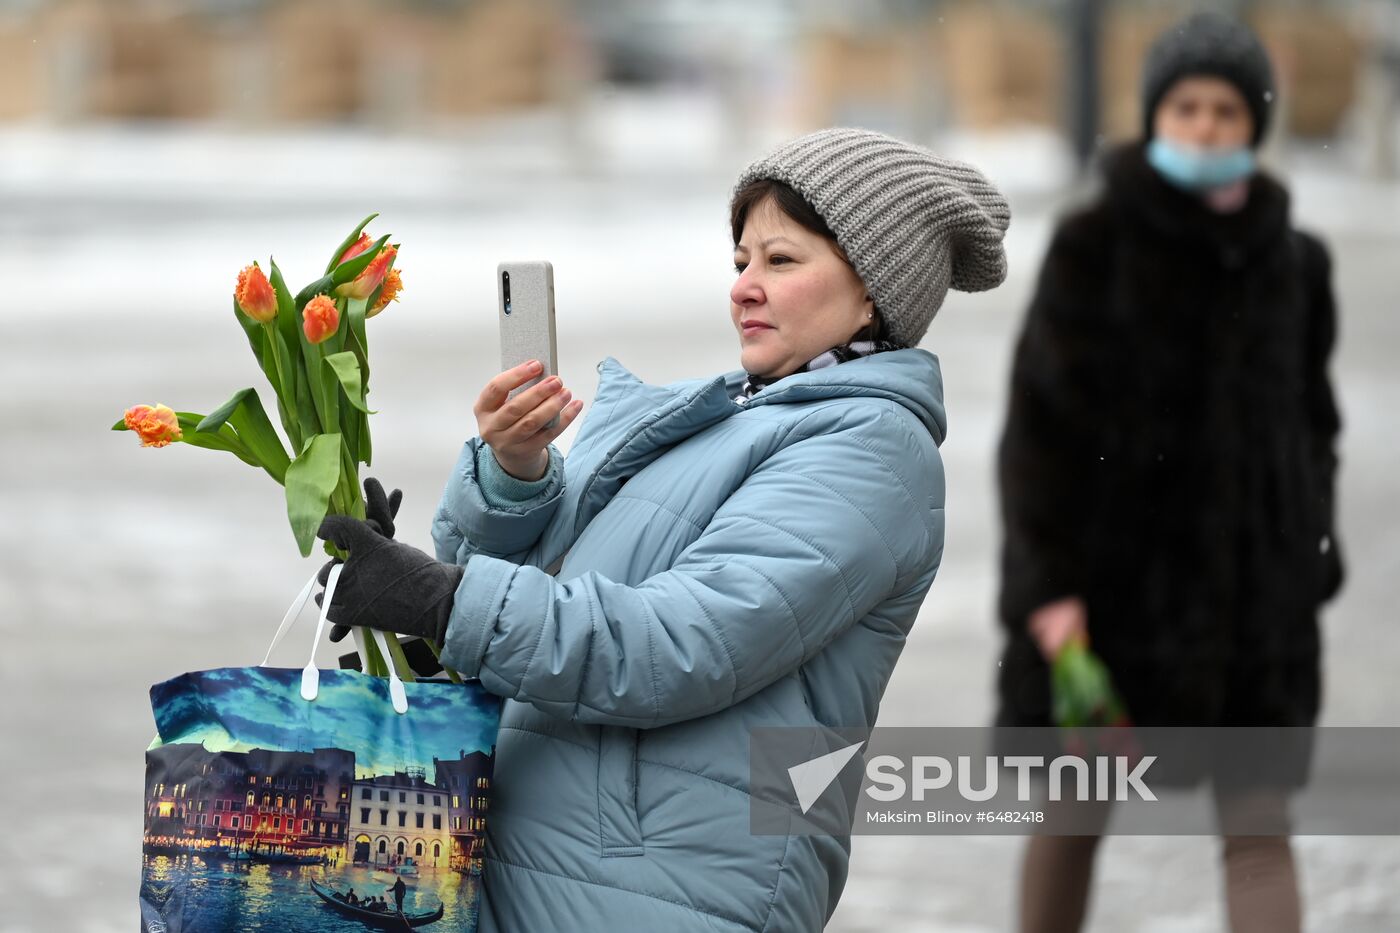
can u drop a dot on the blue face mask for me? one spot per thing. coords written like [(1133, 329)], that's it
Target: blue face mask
[(1199, 169)]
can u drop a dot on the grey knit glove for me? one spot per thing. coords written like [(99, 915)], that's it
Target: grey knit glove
[(388, 585)]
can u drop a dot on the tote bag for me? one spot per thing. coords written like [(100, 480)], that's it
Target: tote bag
[(280, 799)]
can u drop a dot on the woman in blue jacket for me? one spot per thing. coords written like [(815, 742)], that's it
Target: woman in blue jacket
[(714, 555)]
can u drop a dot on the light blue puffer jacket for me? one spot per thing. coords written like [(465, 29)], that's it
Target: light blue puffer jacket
[(761, 566)]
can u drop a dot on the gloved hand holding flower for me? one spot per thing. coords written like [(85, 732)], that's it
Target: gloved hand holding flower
[(387, 585), (380, 512)]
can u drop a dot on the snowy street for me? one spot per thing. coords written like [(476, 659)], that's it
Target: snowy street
[(125, 566)]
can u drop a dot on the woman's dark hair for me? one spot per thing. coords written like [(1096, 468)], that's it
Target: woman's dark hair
[(801, 212)]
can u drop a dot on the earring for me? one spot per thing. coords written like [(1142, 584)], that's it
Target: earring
[(870, 316)]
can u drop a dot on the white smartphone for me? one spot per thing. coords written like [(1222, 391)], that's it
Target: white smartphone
[(525, 307)]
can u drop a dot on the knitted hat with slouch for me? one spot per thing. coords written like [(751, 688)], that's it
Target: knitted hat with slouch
[(913, 224)]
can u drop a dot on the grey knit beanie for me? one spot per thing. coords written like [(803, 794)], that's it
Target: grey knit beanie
[(1211, 44), (913, 224)]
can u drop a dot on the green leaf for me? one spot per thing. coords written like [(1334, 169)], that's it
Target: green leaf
[(347, 270), (288, 308), (330, 392), (347, 369), (325, 389), (288, 327), (245, 413), (189, 420), (214, 442), (350, 424), (359, 337), (349, 241), (358, 343), (311, 478), (306, 405), (216, 418)]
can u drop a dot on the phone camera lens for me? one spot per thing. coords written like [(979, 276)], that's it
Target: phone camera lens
[(505, 290)]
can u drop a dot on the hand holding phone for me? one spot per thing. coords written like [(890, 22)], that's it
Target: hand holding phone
[(516, 426), (525, 407)]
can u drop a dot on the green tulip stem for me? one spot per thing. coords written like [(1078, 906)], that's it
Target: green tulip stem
[(375, 665), (437, 654), (336, 503), (399, 658), (285, 393), (350, 478)]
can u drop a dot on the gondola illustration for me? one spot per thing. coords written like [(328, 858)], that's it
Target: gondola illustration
[(383, 919)]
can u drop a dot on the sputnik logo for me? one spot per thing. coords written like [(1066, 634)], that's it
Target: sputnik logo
[(811, 778)]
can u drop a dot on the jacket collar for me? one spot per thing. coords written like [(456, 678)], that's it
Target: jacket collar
[(633, 422), (910, 377)]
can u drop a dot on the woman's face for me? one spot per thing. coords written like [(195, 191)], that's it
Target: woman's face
[(795, 296), (1204, 113)]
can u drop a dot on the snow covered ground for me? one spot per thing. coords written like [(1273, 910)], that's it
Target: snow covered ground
[(119, 247)]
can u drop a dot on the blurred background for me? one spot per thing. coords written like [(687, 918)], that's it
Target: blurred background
[(149, 149)]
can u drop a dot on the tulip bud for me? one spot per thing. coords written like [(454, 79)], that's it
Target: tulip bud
[(156, 426), (356, 248), (390, 292), (320, 319), (255, 296), (367, 281)]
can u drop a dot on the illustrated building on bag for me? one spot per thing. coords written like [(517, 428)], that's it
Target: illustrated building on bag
[(303, 796), (399, 815), (467, 778), (298, 800), (310, 802)]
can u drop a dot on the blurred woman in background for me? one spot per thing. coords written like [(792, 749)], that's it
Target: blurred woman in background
[(1167, 465)]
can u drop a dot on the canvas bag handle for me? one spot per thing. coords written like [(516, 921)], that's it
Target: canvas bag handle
[(310, 675)]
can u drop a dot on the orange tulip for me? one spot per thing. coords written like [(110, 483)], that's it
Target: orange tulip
[(320, 319), (156, 426), (367, 281), (255, 296), (356, 248), (390, 292)]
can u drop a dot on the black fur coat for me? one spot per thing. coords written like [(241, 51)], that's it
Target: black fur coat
[(1169, 455)]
